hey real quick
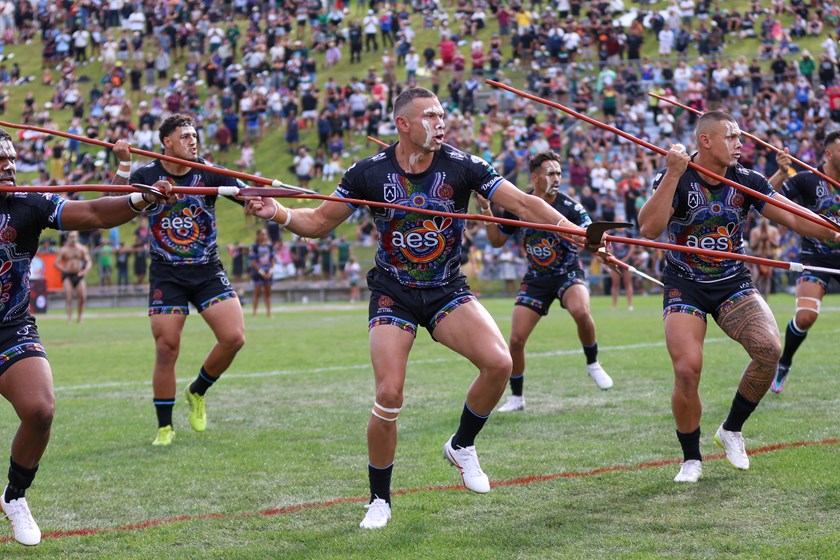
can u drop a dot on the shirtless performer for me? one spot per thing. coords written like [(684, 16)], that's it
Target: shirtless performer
[(764, 241), (74, 263)]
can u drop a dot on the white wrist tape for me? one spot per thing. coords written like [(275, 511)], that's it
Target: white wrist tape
[(288, 220), (124, 174), (133, 199)]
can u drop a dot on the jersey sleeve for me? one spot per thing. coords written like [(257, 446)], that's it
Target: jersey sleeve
[(351, 185), (483, 177), (50, 206), (575, 213), (792, 188), (657, 180), (759, 183)]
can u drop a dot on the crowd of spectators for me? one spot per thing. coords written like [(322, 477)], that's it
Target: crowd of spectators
[(248, 68)]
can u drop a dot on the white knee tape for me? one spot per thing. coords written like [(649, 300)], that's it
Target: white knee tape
[(817, 305), (395, 411)]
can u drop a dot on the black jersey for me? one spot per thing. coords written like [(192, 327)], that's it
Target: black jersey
[(548, 253), (815, 193), (416, 249), (183, 233), (711, 217), (23, 217)]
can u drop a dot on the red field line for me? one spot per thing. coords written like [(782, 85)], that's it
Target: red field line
[(361, 499)]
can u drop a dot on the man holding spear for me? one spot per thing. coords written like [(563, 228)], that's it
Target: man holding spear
[(698, 210)]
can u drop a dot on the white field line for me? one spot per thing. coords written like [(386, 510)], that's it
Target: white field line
[(277, 373)]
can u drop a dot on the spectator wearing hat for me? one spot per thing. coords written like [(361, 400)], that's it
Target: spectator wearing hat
[(807, 65)]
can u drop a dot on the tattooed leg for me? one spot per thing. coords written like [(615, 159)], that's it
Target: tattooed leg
[(750, 322)]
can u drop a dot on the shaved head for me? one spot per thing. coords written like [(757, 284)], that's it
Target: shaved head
[(708, 121)]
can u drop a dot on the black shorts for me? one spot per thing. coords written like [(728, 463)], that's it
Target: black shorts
[(18, 341), (821, 278), (392, 303), (537, 294), (260, 280), (701, 298), (173, 288), (74, 278)]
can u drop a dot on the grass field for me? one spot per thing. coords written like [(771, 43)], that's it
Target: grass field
[(281, 470)]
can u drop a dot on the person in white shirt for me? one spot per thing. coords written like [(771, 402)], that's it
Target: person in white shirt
[(137, 21), (666, 41), (81, 40)]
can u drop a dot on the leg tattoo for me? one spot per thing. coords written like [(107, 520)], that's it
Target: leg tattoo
[(750, 323)]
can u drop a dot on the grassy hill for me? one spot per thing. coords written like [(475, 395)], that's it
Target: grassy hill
[(271, 155)]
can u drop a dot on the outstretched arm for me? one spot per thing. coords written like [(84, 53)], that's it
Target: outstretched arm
[(110, 211), (306, 222), (798, 223)]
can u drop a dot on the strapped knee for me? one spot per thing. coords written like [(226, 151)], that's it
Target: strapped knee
[(806, 304), (378, 410)]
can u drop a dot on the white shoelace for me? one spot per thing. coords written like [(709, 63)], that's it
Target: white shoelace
[(468, 460)]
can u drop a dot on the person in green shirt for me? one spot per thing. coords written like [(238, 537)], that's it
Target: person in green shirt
[(106, 263), (807, 66)]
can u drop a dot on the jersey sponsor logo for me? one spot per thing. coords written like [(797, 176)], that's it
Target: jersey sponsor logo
[(486, 186), (177, 222), (718, 240), (423, 243), (674, 296), (454, 154), (8, 234), (383, 304), (543, 252)]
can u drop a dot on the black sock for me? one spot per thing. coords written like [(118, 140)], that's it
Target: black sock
[(163, 409), (380, 482), (738, 413), (20, 479), (202, 383), (471, 424), (690, 445), (591, 353), (516, 385), (793, 339)]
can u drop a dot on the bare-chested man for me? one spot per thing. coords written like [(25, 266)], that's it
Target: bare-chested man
[(764, 241), (74, 263)]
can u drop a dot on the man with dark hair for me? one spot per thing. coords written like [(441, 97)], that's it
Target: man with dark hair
[(554, 273), (823, 198), (25, 374), (185, 269), (417, 280), (699, 211)]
